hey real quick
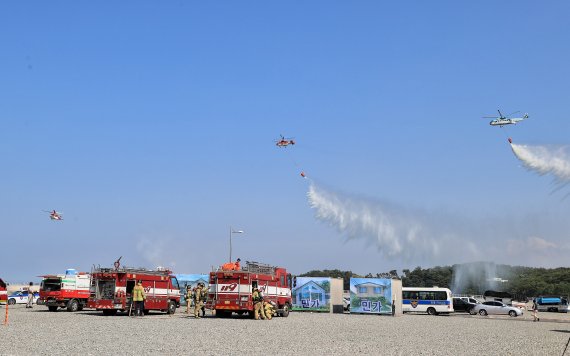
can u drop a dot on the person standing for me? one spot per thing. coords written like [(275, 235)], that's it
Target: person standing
[(30, 296), (535, 311), (188, 297), (139, 298), (258, 309)]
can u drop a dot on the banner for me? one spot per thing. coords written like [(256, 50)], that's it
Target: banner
[(371, 295), (191, 280), (311, 293)]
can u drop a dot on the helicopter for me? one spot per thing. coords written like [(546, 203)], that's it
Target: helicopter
[(284, 142), (505, 120), (54, 215)]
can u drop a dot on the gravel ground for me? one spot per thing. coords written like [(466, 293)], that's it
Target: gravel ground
[(37, 331)]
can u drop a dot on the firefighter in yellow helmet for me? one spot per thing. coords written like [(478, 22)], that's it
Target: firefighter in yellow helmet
[(269, 309), (199, 296), (257, 298), (139, 298)]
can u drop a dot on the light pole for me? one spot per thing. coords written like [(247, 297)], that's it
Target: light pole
[(231, 233)]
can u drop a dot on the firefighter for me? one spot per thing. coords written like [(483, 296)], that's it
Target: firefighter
[(30, 296), (269, 310), (188, 297), (200, 294), (139, 298), (257, 304)]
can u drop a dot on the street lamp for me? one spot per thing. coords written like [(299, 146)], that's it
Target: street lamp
[(231, 233)]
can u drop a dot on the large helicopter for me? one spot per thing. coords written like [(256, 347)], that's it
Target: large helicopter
[(502, 120)]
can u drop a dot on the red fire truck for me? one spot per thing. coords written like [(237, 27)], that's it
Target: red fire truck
[(230, 291), (111, 289), (70, 290), (3, 292)]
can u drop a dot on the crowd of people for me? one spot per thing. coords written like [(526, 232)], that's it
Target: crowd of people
[(198, 296)]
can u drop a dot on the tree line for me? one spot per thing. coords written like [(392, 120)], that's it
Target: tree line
[(516, 280)]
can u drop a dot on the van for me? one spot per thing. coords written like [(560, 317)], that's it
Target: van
[(464, 304)]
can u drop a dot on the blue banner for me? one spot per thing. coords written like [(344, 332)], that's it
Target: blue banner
[(311, 293), (371, 295)]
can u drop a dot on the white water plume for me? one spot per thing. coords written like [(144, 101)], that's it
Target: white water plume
[(479, 275), (544, 160), (429, 237), (396, 231)]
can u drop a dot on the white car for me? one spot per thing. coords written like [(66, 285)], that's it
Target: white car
[(21, 297), (496, 308)]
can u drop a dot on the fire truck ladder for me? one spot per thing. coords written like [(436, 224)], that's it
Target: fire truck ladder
[(160, 272)]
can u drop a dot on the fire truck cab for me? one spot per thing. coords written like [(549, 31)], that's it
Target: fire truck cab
[(70, 290), (231, 291), (111, 289), (3, 292)]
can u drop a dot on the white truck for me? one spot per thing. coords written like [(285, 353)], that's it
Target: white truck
[(70, 290)]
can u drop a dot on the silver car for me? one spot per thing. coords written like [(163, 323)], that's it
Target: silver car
[(496, 308)]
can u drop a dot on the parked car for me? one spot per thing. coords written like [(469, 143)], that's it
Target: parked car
[(21, 297), (460, 305), (492, 307)]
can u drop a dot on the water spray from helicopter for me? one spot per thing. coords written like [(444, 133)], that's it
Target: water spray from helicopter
[(553, 160), (396, 231)]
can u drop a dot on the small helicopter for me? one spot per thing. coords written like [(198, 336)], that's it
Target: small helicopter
[(54, 215), (505, 120), (284, 142)]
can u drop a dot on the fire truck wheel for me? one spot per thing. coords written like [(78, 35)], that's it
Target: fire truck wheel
[(72, 305), (52, 308), (109, 312), (171, 307), (285, 312)]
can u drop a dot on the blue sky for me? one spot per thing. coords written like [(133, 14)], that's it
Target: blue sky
[(151, 126)]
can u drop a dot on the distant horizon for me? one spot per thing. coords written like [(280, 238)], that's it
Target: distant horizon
[(400, 271)]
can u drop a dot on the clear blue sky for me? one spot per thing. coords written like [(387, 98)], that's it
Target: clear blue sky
[(150, 125)]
